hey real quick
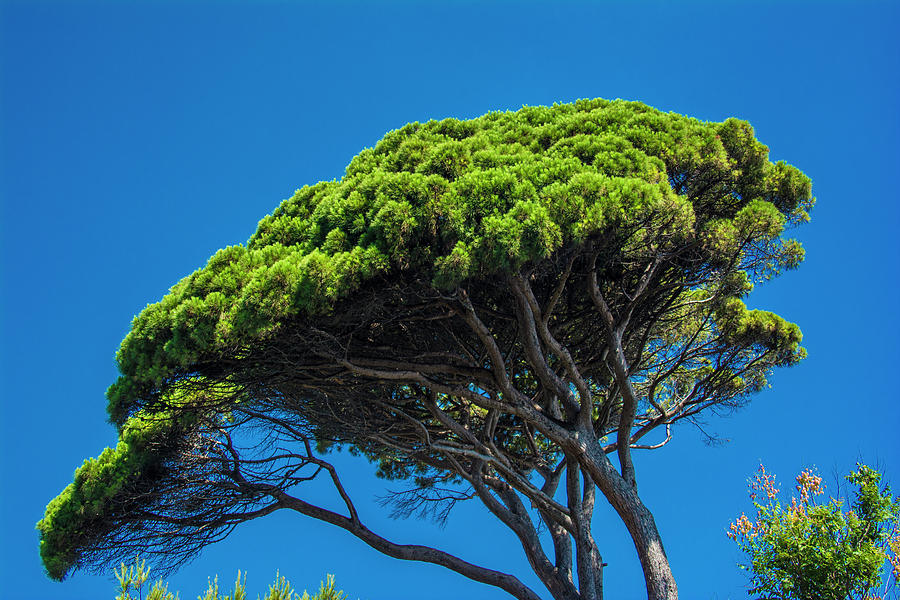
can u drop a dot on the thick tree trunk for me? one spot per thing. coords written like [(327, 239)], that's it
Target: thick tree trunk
[(637, 518), (657, 573)]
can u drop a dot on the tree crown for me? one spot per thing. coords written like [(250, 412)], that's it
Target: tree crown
[(468, 291), (446, 201)]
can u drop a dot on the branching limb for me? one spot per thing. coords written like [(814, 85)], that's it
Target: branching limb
[(514, 515), (620, 368), (504, 581), (523, 290), (562, 541), (498, 364), (560, 287), (583, 547), (537, 358), (597, 564), (501, 464), (655, 446)]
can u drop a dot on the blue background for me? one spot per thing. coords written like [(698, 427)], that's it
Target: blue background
[(137, 138)]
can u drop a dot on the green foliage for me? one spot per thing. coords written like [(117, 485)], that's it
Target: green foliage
[(81, 514), (810, 551), (132, 580), (450, 201), (281, 590)]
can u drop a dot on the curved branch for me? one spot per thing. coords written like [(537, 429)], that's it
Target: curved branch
[(523, 289), (511, 477), (415, 552), (513, 514), (656, 446)]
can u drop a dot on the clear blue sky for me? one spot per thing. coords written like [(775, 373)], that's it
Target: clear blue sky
[(136, 138)]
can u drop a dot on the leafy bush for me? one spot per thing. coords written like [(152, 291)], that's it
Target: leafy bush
[(810, 551)]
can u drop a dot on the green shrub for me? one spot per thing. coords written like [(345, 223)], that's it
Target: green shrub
[(804, 550), (133, 579)]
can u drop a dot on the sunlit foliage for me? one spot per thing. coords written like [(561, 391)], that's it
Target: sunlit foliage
[(806, 550)]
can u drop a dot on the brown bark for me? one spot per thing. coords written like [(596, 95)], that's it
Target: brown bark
[(637, 518), (504, 581)]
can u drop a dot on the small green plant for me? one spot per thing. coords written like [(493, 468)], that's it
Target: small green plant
[(810, 551), (212, 590), (132, 580), (326, 591), (280, 590)]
